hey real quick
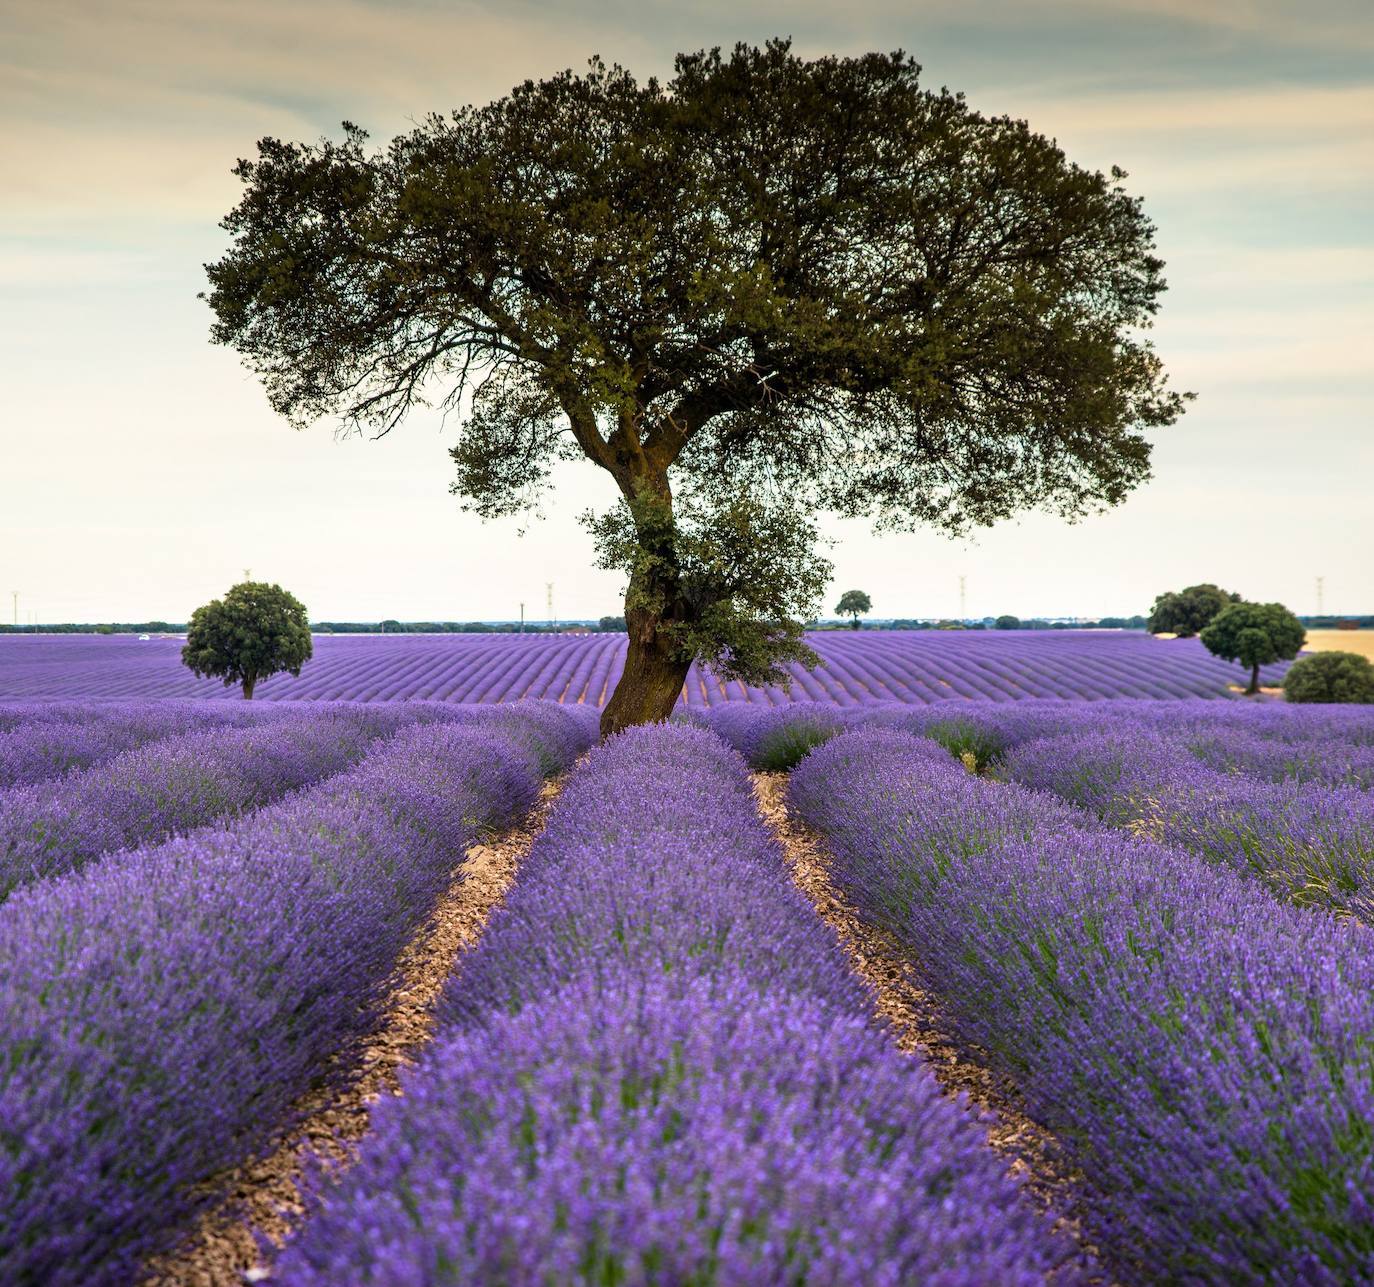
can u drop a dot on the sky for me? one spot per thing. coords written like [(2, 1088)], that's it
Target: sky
[(142, 470)]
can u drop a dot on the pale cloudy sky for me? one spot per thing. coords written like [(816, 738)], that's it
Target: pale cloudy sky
[(141, 469)]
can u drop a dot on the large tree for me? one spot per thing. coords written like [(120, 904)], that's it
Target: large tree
[(767, 288)]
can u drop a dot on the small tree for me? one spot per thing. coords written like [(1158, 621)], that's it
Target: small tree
[(852, 604), (1187, 612), (1330, 677), (1007, 622), (255, 631), (1254, 634)]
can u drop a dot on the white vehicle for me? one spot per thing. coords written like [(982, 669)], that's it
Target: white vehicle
[(144, 638)]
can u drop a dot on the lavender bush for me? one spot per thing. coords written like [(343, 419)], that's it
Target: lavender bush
[(174, 785), (161, 1014), (1205, 1054), (655, 1068), (44, 747), (1309, 843)]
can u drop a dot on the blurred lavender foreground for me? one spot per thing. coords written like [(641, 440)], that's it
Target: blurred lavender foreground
[(1205, 1052), (163, 1011), (656, 1068)]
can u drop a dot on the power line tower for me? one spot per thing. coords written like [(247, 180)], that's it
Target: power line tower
[(1321, 585), (963, 610), (548, 591)]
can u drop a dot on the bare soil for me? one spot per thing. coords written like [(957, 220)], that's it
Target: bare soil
[(264, 1195), (919, 1026)]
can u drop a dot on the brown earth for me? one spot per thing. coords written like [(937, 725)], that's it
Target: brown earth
[(264, 1194)]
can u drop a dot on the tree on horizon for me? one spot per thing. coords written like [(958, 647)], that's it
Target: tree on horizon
[(852, 604), (766, 289)]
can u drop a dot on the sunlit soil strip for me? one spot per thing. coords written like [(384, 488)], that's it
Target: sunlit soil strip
[(917, 1026), (264, 1195)]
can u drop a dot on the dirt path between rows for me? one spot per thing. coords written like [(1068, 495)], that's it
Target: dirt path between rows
[(264, 1194), (919, 1026)]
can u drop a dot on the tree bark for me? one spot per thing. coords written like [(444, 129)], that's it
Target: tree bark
[(1254, 681), (248, 685), (652, 679)]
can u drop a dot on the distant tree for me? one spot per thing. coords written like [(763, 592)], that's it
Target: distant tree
[(1185, 613), (1254, 634), (1007, 622), (1330, 677), (767, 288), (611, 625), (852, 604), (255, 631), (391, 627)]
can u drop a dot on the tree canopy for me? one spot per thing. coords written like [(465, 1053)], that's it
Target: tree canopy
[(1254, 634), (853, 603), (1187, 612), (1330, 677), (255, 631), (766, 288)]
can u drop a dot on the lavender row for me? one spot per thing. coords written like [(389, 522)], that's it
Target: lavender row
[(1203, 1054), (176, 785), (46, 746), (655, 1068), (162, 1014), (145, 795), (1307, 842)]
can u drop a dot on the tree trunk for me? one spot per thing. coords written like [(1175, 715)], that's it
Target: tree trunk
[(1254, 681), (856, 623), (652, 679), (248, 685)]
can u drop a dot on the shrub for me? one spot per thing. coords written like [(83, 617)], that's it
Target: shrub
[(1330, 677)]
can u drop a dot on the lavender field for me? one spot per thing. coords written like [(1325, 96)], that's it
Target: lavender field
[(914, 667), (1145, 928)]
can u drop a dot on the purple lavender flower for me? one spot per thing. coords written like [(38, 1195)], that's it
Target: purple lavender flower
[(1202, 1051), (657, 1068)]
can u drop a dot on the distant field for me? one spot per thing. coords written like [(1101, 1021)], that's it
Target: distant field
[(1360, 641), (915, 667)]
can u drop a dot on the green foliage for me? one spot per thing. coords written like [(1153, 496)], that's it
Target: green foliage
[(1188, 611), (780, 750), (255, 631), (977, 747), (1254, 634), (1330, 677), (808, 282), (1007, 622), (732, 576)]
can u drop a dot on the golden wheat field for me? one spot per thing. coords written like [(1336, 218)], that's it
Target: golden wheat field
[(1360, 641)]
